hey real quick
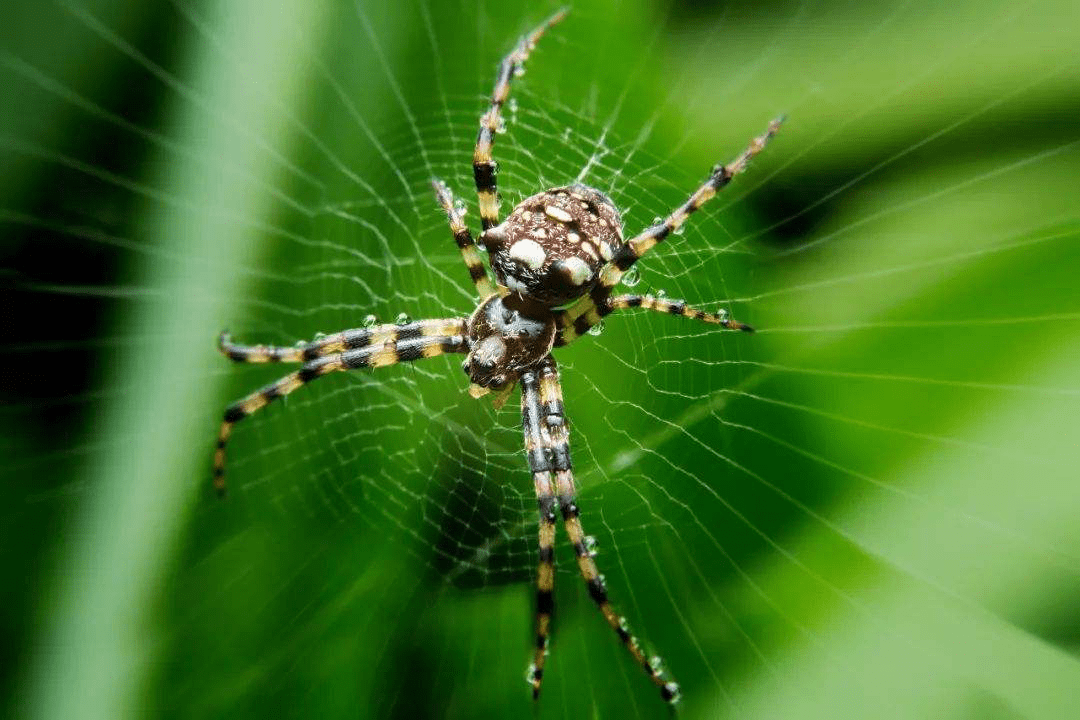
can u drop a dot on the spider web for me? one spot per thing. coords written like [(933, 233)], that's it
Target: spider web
[(865, 508)]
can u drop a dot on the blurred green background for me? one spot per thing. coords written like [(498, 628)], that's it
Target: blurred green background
[(867, 509)]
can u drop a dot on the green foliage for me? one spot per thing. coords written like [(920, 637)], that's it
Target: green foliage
[(865, 509)]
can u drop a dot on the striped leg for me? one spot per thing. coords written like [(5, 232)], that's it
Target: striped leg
[(631, 252), (339, 341), (464, 240), (381, 354), (670, 307), (551, 404), (536, 446), (483, 163)]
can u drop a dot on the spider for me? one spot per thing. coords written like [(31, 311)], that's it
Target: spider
[(556, 258)]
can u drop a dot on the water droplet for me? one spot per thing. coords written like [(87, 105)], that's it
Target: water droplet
[(673, 692), (402, 319), (600, 576), (624, 624), (631, 277), (591, 545), (512, 106), (500, 125), (597, 328), (657, 220), (370, 321), (566, 134), (460, 207), (680, 230), (657, 664), (661, 293), (320, 335), (519, 69), (724, 314), (530, 674)]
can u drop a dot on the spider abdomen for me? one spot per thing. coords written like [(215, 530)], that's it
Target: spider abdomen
[(552, 246)]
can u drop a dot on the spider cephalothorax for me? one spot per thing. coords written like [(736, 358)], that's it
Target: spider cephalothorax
[(557, 258), (504, 341), (552, 245)]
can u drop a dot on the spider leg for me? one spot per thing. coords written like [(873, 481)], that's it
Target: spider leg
[(628, 254), (484, 167), (556, 454), (338, 342), (464, 240), (536, 447), (649, 302), (386, 352)]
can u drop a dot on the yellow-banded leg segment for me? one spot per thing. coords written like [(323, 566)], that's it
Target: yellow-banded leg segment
[(628, 254), (388, 352), (540, 462), (484, 166), (464, 239), (551, 403), (648, 302), (339, 341)]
